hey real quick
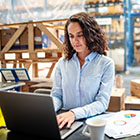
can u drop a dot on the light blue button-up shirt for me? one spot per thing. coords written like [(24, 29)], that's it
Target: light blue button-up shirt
[(86, 91)]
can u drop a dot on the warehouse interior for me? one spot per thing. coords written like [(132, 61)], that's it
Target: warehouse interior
[(32, 36)]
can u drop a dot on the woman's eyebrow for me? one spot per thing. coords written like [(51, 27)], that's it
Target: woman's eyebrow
[(79, 32), (76, 33)]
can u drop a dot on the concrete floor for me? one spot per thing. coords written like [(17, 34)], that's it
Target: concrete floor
[(130, 74)]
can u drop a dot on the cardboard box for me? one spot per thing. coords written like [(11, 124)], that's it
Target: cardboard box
[(135, 87), (117, 100), (46, 42), (132, 102), (6, 35), (137, 49), (0, 41), (37, 37), (24, 37)]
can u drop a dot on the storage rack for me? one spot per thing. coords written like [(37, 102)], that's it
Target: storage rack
[(20, 38), (119, 15), (133, 35), (18, 11)]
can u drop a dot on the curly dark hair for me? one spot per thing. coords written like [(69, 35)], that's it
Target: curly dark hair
[(94, 35)]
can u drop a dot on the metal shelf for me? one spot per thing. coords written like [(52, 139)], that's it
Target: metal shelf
[(136, 26), (94, 5), (116, 16), (131, 26), (136, 41), (115, 33), (113, 42), (135, 14)]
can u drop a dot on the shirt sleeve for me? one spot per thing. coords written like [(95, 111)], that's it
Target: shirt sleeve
[(56, 91), (100, 104)]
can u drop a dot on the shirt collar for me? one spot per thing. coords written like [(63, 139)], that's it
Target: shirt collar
[(90, 57), (75, 56)]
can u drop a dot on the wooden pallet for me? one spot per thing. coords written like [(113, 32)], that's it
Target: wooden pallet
[(28, 31)]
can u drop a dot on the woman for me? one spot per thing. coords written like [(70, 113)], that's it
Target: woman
[(84, 78)]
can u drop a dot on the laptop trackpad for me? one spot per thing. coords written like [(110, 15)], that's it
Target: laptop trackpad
[(65, 132)]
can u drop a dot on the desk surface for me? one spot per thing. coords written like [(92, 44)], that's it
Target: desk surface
[(75, 136), (79, 136), (10, 85)]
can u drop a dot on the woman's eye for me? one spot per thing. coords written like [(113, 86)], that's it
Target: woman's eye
[(70, 36), (81, 35)]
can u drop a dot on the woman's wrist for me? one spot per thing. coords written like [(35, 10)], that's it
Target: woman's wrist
[(73, 114)]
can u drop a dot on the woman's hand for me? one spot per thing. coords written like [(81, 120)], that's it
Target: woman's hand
[(66, 118)]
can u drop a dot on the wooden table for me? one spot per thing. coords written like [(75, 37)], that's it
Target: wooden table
[(40, 86), (36, 83)]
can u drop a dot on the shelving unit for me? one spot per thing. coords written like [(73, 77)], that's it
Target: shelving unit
[(133, 34), (114, 10), (19, 11), (26, 39)]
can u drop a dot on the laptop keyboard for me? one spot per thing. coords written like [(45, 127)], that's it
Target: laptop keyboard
[(65, 132)]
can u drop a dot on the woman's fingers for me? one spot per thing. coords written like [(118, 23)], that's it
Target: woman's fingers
[(69, 124), (59, 119), (63, 124), (66, 118)]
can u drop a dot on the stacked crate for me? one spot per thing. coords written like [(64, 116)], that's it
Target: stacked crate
[(133, 101), (117, 100), (109, 10), (137, 39)]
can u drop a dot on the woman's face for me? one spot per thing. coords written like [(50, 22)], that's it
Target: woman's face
[(77, 38)]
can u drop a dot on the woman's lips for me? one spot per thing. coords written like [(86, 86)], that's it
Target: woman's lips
[(77, 46)]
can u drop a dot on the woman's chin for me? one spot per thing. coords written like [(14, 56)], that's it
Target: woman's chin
[(77, 49)]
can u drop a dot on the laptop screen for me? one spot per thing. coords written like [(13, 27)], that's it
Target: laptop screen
[(29, 113), (33, 114)]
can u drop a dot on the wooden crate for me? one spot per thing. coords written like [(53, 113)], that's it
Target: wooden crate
[(117, 100), (135, 87), (132, 102)]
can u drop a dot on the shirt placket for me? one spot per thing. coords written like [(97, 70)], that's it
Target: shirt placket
[(80, 83)]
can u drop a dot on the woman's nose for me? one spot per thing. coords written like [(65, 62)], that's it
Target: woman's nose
[(75, 39)]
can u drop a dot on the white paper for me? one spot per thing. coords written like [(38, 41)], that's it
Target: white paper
[(123, 124)]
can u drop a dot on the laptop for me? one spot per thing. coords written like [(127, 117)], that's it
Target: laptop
[(33, 114)]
